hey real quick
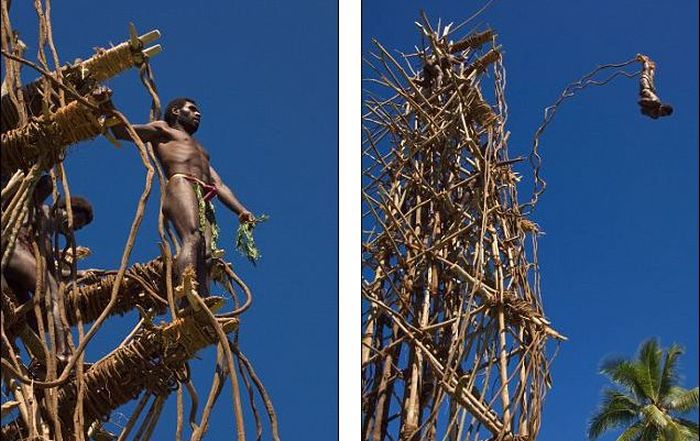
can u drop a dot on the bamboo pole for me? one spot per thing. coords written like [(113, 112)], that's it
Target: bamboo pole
[(445, 251)]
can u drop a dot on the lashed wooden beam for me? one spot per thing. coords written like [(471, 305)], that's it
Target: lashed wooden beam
[(153, 361), (83, 76), (44, 139)]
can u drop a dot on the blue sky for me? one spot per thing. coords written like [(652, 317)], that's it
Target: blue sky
[(265, 77), (620, 255), (619, 259)]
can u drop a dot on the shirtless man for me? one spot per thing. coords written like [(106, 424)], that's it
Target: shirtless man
[(191, 181), (21, 271)]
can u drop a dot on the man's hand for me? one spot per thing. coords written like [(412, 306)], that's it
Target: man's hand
[(246, 217)]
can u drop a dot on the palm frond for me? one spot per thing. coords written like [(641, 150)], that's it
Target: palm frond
[(619, 370), (669, 375), (673, 432), (628, 375), (616, 400), (648, 400), (677, 431), (606, 418), (681, 400), (632, 433), (655, 416), (690, 426), (651, 433), (650, 364)]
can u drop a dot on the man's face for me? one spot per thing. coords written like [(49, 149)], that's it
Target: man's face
[(79, 219), (189, 116)]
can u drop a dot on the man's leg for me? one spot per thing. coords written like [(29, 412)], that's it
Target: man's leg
[(20, 275), (181, 208)]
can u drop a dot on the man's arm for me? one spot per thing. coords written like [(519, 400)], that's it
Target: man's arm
[(227, 197), (151, 132)]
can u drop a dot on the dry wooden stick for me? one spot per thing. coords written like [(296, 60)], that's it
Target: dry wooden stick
[(445, 248)]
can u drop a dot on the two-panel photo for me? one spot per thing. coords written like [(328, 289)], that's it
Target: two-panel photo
[(354, 221)]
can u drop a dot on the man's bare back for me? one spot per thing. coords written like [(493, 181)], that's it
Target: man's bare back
[(186, 165)]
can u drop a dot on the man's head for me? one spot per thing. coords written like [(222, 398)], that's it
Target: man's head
[(82, 212), (183, 111)]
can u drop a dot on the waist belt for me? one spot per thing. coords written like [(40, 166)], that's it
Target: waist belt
[(210, 190)]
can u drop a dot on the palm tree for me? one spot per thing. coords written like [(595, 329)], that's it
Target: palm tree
[(647, 401)]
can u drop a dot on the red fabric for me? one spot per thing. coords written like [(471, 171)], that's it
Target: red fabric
[(210, 190)]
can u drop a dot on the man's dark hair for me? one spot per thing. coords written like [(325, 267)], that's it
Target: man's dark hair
[(175, 104), (78, 204)]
